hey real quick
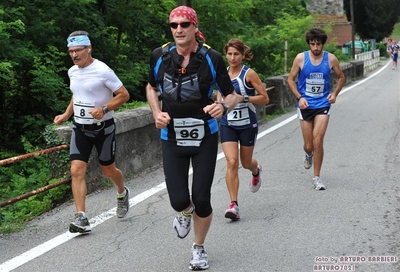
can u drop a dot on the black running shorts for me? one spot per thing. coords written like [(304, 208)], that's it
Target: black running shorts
[(101, 135)]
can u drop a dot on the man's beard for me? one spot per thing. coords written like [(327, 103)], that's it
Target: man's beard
[(316, 53)]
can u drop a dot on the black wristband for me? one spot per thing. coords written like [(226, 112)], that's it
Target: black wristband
[(298, 98)]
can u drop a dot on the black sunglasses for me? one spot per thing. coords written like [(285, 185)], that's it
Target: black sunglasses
[(183, 25)]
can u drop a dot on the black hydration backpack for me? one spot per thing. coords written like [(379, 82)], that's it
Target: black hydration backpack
[(165, 58)]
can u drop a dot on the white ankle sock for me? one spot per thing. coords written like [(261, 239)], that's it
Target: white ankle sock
[(123, 193), (83, 213)]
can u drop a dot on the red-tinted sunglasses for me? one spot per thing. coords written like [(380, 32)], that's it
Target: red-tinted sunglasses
[(183, 25)]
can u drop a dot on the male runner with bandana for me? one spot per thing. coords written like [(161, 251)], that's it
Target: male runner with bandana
[(187, 119)]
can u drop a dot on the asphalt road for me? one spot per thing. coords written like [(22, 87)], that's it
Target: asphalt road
[(287, 226)]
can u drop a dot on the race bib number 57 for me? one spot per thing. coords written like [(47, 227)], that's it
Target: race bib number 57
[(315, 85)]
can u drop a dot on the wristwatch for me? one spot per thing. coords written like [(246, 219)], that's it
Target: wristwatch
[(226, 108), (105, 109), (245, 98), (298, 98)]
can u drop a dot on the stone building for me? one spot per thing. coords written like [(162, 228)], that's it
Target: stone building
[(332, 7), (331, 11)]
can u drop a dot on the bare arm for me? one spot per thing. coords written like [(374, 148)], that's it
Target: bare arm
[(120, 97), (216, 110), (231, 100), (255, 81), (334, 62), (294, 71), (219, 97), (59, 119), (161, 119)]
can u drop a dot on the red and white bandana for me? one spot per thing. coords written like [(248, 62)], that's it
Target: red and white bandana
[(188, 13)]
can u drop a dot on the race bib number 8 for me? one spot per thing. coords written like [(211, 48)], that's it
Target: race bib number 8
[(81, 112), (189, 131)]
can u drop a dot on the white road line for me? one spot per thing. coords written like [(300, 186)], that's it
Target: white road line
[(65, 237)]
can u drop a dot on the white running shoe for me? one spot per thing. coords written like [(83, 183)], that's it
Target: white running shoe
[(81, 224), (318, 184), (199, 258), (308, 161), (182, 223), (123, 204)]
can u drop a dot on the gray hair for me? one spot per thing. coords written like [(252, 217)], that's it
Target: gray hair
[(78, 33)]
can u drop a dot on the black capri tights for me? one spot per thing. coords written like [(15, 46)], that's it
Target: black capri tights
[(176, 160)]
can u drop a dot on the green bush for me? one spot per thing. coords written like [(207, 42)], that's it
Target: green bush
[(382, 49), (31, 174)]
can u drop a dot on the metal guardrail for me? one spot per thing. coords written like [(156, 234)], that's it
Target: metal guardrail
[(33, 154), (27, 156)]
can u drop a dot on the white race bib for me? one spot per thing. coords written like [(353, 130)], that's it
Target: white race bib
[(239, 116), (314, 87), (189, 131), (81, 112)]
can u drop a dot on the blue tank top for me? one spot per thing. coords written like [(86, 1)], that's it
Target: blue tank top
[(243, 116), (314, 82)]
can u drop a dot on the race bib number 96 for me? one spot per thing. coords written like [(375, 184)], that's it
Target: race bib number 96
[(189, 131)]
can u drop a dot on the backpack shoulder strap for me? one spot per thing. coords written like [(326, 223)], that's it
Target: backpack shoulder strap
[(166, 48), (206, 46), (204, 51)]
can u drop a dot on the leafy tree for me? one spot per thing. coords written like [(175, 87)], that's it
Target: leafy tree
[(254, 22), (288, 27), (7, 73), (34, 63), (373, 19)]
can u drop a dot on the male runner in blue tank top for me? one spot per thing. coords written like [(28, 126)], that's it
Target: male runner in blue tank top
[(314, 96)]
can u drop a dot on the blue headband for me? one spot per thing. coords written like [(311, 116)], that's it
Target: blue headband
[(82, 40)]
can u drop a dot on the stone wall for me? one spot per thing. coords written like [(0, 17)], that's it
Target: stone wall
[(281, 96), (138, 143), (325, 6)]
